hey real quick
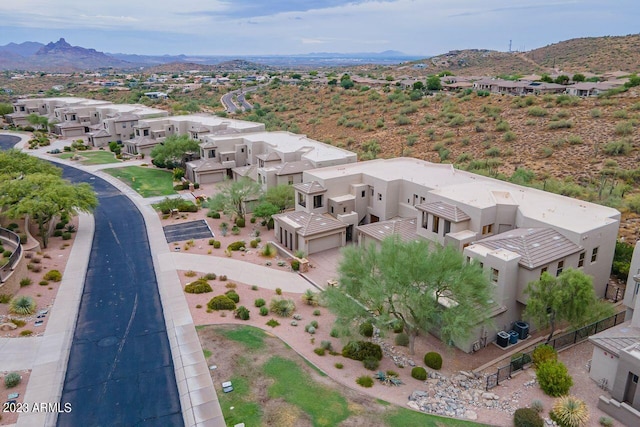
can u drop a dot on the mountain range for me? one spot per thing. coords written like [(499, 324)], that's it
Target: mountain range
[(589, 54)]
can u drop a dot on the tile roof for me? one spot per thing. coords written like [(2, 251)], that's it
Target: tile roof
[(536, 246), (617, 338), (308, 224), (312, 187), (205, 165), (244, 170), (294, 167), (403, 227), (444, 210)]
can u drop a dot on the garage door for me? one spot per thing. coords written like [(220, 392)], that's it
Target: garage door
[(323, 243), (210, 178)]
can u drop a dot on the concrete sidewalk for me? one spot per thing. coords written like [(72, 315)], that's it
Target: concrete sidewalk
[(241, 271)]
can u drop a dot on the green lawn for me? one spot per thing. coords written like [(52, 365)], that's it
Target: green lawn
[(147, 182), (407, 418), (93, 157), (245, 410), (252, 338), (326, 407)]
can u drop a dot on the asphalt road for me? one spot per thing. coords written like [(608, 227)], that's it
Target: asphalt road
[(120, 371)]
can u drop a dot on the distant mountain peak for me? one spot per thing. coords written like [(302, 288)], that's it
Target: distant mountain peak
[(59, 46)]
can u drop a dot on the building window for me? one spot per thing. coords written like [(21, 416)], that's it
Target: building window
[(344, 210), (487, 229), (435, 225), (581, 259), (415, 199), (380, 196), (594, 254), (331, 209), (363, 193), (290, 180), (543, 270), (560, 267), (302, 200), (447, 226), (371, 191), (422, 199), (482, 265), (317, 201), (495, 275), (242, 150), (212, 153), (425, 220)]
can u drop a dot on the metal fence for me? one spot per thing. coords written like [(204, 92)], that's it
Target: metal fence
[(614, 292), (525, 359), (7, 268)]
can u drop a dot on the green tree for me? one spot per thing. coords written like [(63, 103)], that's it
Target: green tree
[(5, 108), (265, 211), (171, 152), (418, 86), (546, 78), (578, 77), (38, 121), (234, 195), (422, 286), (15, 164), (44, 197), (433, 83), (568, 297), (282, 196), (347, 83), (562, 79)]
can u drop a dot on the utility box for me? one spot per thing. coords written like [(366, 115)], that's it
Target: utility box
[(503, 339)]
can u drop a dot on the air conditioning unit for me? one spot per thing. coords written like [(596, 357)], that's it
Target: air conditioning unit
[(503, 339)]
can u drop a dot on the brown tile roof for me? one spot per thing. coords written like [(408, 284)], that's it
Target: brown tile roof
[(205, 165), (312, 187), (308, 224), (536, 246), (444, 210), (403, 227)]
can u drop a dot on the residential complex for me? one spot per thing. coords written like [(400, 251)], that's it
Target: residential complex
[(515, 233)]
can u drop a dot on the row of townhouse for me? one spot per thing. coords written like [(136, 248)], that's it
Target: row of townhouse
[(529, 87), (515, 233), (100, 121)]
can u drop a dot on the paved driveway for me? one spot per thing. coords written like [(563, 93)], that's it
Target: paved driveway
[(120, 371)]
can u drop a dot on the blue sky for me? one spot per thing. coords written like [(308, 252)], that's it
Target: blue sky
[(261, 27)]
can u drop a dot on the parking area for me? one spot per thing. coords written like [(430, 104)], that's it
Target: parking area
[(187, 230)]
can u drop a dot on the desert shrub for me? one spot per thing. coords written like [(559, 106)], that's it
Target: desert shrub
[(419, 373), (569, 411), (222, 278), (559, 124), (242, 313), (326, 345), (319, 351), (278, 291), (360, 350), (339, 365), (314, 323), (18, 322), (6, 253), (264, 311), (23, 305), (217, 244), (334, 333), (259, 302), (233, 296), (66, 235), (371, 363), (235, 230), (316, 312), (199, 286), (254, 287), (527, 417), (554, 379), (502, 126), (213, 214), (25, 281), (433, 360), (253, 244), (43, 283), (209, 276), (26, 333), (537, 406), (397, 326), (624, 129), (544, 353), (295, 265), (273, 323), (492, 152), (605, 422), (268, 250), (5, 298), (12, 379), (617, 148), (537, 112), (310, 329), (190, 273), (402, 339), (57, 233), (221, 302), (282, 307), (236, 246), (366, 329), (309, 297), (365, 381)]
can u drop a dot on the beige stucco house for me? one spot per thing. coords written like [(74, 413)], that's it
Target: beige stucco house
[(615, 363), (514, 232)]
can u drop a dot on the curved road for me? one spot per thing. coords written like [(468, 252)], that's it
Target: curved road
[(239, 94), (120, 370)]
